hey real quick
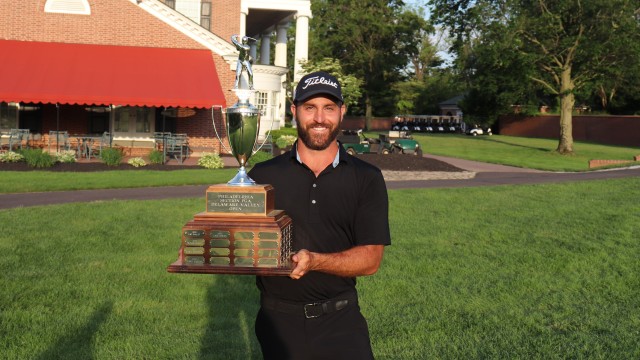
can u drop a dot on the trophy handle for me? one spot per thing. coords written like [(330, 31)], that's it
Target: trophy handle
[(266, 137), (216, 130)]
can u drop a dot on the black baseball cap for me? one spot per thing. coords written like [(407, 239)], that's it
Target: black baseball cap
[(316, 83)]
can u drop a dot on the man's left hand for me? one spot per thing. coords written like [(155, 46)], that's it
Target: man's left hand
[(301, 264)]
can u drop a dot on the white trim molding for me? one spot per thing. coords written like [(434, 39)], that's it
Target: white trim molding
[(186, 26), (74, 7)]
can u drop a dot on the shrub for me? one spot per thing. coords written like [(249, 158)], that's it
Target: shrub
[(210, 161), (275, 134), (258, 157), (285, 141), (66, 156), (112, 156), (11, 156), (156, 157), (37, 158), (137, 162)]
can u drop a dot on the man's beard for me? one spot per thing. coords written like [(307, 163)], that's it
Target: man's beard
[(316, 141)]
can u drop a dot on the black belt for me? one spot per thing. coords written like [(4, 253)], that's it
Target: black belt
[(310, 310)]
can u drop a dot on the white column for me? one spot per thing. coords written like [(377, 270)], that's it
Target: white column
[(243, 22), (265, 49), (253, 51), (281, 45), (302, 44)]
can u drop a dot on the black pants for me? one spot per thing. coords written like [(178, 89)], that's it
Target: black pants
[(339, 335)]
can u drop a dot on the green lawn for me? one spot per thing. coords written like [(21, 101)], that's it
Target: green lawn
[(38, 181), (514, 151), (505, 272), (521, 152)]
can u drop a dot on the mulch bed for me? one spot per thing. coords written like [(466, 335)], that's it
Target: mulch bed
[(400, 162), (392, 162)]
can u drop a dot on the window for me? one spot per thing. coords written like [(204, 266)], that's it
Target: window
[(133, 119), (266, 107), (170, 3), (205, 15), (144, 116), (262, 101), (77, 7), (98, 117), (8, 116)]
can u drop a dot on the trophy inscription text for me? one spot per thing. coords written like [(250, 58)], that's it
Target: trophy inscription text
[(247, 203)]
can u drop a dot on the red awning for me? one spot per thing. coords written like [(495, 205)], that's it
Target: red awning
[(40, 72)]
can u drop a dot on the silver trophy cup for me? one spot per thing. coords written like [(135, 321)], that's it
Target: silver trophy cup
[(242, 121)]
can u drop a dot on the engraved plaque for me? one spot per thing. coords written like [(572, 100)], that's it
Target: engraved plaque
[(193, 242), (234, 203), (219, 234), (222, 244), (194, 233)]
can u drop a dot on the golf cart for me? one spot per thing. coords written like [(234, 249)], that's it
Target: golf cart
[(477, 130), (354, 142), (400, 142)]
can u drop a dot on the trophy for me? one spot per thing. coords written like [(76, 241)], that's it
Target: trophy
[(240, 232)]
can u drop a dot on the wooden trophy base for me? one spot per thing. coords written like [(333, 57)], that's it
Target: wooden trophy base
[(250, 243)]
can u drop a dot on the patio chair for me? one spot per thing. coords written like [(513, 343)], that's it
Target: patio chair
[(178, 147), (105, 142), (84, 147), (159, 139), (59, 139), (15, 139)]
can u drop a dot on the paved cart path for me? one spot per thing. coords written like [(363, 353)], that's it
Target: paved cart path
[(480, 174)]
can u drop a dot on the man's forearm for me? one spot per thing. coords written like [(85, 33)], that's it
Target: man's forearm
[(357, 261)]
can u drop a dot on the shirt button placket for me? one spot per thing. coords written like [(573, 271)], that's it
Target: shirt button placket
[(314, 200)]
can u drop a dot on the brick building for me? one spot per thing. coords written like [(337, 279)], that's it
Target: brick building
[(135, 67)]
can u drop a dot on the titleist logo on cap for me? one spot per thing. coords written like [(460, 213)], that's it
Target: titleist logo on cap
[(318, 80)]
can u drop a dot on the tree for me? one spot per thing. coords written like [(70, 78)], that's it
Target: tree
[(371, 39), (573, 44)]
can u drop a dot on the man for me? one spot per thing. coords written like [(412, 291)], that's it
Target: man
[(339, 207)]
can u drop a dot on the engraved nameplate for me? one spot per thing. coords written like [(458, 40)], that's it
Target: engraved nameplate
[(236, 203)]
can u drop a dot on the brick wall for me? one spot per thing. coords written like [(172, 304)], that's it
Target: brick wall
[(610, 130), (113, 22), (600, 163), (225, 18)]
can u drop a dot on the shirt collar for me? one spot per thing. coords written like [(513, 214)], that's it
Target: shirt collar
[(336, 160)]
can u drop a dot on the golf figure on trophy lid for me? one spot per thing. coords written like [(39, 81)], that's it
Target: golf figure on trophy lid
[(244, 59)]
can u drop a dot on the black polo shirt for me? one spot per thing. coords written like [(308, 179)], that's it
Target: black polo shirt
[(343, 207)]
